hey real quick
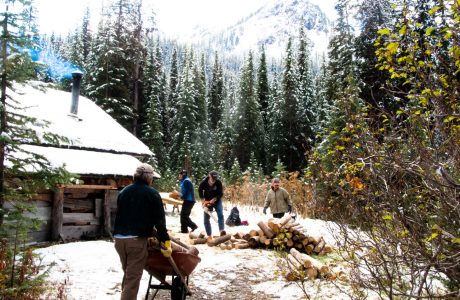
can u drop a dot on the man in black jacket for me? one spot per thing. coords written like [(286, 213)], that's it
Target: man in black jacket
[(139, 210), (211, 192)]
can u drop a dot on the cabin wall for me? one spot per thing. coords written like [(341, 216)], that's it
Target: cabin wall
[(83, 214)]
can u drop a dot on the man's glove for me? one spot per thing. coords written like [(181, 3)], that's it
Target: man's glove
[(166, 249), (289, 208), (265, 210)]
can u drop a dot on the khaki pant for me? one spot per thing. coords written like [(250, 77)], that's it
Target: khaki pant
[(133, 255)]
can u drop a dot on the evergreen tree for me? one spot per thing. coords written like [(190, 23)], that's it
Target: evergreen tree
[(292, 153), (373, 15), (203, 144), (263, 94), (152, 129), (306, 104), (186, 119), (118, 55), (109, 84), (172, 97), (215, 98), (235, 175), (263, 90), (275, 135), (249, 131), (22, 173), (340, 64)]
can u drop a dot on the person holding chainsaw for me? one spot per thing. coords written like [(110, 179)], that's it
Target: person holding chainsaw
[(210, 191), (139, 210), (188, 196), (278, 200)]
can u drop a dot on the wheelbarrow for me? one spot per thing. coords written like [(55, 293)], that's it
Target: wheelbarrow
[(179, 266)]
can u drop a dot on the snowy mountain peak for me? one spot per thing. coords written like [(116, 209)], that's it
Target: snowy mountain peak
[(270, 25)]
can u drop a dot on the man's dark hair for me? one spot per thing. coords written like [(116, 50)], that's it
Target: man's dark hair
[(183, 172)]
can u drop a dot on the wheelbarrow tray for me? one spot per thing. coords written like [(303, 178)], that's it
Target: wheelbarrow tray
[(159, 266)]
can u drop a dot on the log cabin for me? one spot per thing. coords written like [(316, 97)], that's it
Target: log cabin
[(99, 150)]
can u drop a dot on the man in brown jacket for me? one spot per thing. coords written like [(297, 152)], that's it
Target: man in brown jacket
[(277, 199)]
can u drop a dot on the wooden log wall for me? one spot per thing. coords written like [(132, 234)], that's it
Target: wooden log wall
[(73, 213)]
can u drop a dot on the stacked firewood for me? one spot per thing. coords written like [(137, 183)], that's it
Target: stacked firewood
[(283, 233), (287, 233)]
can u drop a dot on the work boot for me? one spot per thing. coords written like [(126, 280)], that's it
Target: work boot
[(209, 238), (193, 228), (222, 233)]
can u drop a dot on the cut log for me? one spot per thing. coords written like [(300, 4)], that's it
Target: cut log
[(242, 245), (254, 241), (253, 232), (246, 236), (293, 263), (229, 246), (314, 239), (196, 235), (327, 248), (267, 231), (301, 257), (292, 276), (267, 242), (239, 235), (311, 273), (309, 248), (216, 241), (198, 241), (319, 247), (284, 220), (322, 268), (291, 223)]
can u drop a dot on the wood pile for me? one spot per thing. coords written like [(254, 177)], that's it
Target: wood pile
[(284, 233), (287, 233)]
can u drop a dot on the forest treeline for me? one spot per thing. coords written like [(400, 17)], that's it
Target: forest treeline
[(374, 127)]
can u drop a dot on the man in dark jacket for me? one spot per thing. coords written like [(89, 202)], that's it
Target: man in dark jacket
[(211, 192), (188, 196), (139, 210)]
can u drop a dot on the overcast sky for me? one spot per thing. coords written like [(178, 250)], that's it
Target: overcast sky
[(60, 16)]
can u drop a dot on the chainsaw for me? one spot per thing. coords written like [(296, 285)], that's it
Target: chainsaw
[(213, 216)]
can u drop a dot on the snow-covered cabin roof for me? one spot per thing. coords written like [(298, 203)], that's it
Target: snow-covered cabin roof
[(98, 145)]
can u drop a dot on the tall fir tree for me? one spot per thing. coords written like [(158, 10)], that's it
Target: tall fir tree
[(293, 150), (182, 150), (22, 173), (263, 95), (249, 128), (275, 134), (307, 105), (152, 129), (216, 94), (111, 85)]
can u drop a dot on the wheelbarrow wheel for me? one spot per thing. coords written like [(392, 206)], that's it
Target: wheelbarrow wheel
[(178, 291)]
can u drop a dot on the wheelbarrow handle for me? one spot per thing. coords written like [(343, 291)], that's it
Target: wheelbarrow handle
[(176, 269)]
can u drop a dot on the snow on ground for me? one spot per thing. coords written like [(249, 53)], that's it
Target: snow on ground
[(91, 269)]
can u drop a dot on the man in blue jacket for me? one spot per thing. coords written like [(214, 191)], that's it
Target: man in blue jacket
[(139, 210), (188, 196)]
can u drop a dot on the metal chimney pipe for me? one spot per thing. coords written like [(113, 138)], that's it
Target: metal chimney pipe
[(76, 76)]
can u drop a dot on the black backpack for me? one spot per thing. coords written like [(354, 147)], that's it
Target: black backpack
[(234, 217)]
